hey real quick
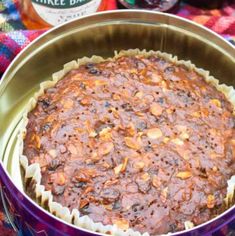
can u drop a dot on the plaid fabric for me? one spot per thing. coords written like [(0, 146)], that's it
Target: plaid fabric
[(9, 16), (221, 21)]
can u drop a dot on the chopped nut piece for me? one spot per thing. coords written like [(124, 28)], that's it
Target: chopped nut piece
[(67, 104), (91, 172), (156, 182), (138, 113), (139, 140), (61, 179), (156, 78), (164, 194), (85, 101), (131, 143), (166, 140), (88, 189), (154, 133), (121, 223), (82, 177), (184, 175), (38, 142), (104, 131), (216, 102), (115, 112), (169, 111), (196, 114), (100, 82), (213, 155), (106, 134), (156, 109), (90, 130), (210, 201), (79, 130), (118, 169), (145, 177), (139, 95), (143, 182), (92, 133), (105, 148), (55, 128), (124, 164), (110, 182), (116, 97), (52, 153), (139, 165), (148, 98), (205, 112), (185, 156), (121, 167), (181, 128), (105, 165), (95, 157), (184, 135), (133, 71), (131, 129), (83, 203), (140, 134), (177, 141), (108, 207), (188, 225), (214, 168), (233, 141), (164, 85)]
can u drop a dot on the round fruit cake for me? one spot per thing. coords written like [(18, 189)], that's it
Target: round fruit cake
[(136, 141)]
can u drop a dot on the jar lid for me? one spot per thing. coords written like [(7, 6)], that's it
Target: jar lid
[(155, 5)]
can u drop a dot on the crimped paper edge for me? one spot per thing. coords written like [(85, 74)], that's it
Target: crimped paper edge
[(33, 173)]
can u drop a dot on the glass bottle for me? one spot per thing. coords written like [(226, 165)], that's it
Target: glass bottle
[(210, 4), (155, 5), (41, 14)]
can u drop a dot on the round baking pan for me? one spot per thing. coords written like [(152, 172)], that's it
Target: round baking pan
[(98, 34)]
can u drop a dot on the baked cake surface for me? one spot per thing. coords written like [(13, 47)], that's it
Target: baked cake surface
[(136, 141)]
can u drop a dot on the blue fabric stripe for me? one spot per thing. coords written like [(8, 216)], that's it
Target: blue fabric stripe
[(6, 51)]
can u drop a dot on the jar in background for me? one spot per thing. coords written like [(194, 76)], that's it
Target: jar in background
[(41, 14), (211, 4), (155, 5)]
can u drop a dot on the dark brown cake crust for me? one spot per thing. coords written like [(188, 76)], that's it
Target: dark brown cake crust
[(137, 142)]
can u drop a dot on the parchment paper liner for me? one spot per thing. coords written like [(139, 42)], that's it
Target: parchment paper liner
[(32, 173)]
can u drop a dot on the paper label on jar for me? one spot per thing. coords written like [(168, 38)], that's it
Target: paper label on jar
[(56, 12)]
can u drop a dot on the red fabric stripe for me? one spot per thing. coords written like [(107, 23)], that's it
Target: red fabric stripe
[(10, 43), (231, 29), (111, 5), (4, 62), (211, 22)]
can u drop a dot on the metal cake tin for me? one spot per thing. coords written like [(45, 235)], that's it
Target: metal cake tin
[(98, 34)]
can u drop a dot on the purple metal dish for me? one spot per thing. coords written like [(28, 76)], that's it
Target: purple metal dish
[(113, 31)]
